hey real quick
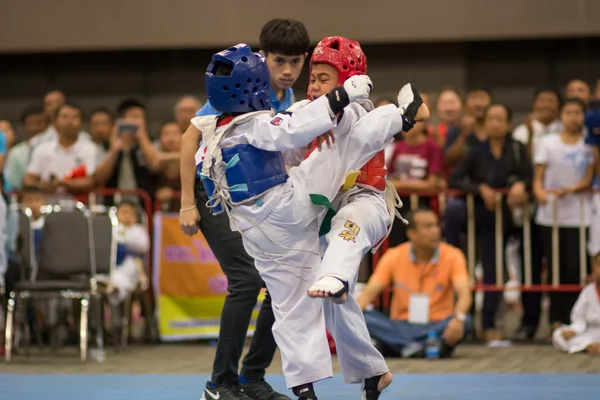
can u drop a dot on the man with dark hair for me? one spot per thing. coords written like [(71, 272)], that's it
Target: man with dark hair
[(470, 133), (285, 44), (101, 125), (129, 161), (131, 106), (53, 100), (67, 163), (579, 89), (34, 121), (426, 274)]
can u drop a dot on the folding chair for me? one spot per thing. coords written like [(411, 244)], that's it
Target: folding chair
[(26, 258), (66, 268)]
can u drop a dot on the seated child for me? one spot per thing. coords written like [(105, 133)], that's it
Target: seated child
[(583, 334), (133, 244)]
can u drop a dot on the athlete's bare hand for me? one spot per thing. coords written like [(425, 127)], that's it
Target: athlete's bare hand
[(327, 138), (188, 220)]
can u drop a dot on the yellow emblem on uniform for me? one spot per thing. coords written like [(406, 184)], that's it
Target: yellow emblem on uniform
[(349, 234), (352, 226)]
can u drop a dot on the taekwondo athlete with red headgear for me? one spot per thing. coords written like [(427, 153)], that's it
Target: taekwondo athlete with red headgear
[(362, 220), (241, 166), (366, 203)]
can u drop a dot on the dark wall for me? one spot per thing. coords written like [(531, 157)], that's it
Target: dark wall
[(43, 25), (513, 69)]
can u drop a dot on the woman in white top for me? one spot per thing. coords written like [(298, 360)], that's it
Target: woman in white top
[(564, 167), (584, 331), (543, 120)]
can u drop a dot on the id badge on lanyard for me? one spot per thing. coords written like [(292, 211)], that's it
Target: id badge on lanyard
[(418, 306)]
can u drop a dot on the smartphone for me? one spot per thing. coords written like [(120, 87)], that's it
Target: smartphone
[(125, 128)]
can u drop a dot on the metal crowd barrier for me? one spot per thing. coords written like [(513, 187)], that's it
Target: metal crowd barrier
[(527, 285), (442, 197)]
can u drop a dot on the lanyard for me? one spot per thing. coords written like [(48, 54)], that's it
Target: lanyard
[(428, 269)]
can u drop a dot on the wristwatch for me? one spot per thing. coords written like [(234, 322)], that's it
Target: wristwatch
[(460, 316)]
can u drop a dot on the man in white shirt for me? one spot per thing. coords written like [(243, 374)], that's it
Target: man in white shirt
[(543, 119), (68, 163), (53, 100)]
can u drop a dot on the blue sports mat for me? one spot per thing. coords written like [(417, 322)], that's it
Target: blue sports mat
[(404, 387)]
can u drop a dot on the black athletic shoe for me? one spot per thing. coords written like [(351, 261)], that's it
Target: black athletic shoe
[(223, 392), (261, 390)]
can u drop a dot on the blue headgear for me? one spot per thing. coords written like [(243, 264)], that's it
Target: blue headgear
[(246, 89)]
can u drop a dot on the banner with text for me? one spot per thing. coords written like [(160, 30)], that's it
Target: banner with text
[(189, 285)]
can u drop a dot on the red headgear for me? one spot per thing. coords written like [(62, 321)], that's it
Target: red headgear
[(343, 54)]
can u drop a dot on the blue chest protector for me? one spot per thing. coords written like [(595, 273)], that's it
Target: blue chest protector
[(249, 172)]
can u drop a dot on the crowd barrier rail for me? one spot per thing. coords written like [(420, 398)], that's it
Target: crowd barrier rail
[(442, 196), (555, 285)]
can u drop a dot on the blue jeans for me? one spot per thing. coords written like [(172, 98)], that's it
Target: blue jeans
[(398, 334)]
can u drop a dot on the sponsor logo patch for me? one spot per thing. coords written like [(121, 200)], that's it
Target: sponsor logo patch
[(351, 232)]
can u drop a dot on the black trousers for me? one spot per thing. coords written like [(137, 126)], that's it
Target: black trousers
[(486, 237), (532, 301), (244, 285), (561, 303)]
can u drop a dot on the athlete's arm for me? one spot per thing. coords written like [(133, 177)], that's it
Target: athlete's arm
[(189, 145), (286, 131), (381, 124)]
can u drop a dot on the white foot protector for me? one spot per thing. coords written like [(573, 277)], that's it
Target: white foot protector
[(330, 288)]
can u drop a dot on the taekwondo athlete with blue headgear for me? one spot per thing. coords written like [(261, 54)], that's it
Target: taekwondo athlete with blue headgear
[(241, 165), (285, 44)]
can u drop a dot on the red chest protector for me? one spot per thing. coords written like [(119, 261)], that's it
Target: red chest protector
[(372, 174)]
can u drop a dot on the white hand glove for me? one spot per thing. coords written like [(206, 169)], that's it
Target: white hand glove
[(409, 102), (406, 97), (358, 87)]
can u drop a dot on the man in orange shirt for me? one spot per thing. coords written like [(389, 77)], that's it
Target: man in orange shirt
[(425, 274)]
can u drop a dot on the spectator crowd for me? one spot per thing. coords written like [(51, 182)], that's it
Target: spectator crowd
[(545, 165)]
